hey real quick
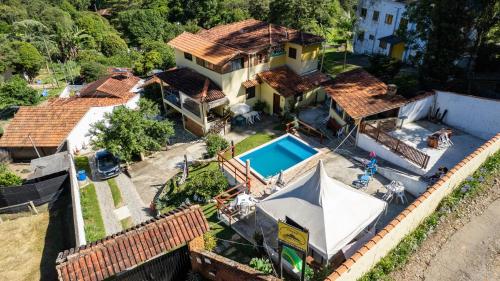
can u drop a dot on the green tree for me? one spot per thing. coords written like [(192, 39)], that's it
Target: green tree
[(91, 71), (345, 25), (207, 184), (130, 133), (140, 24), (16, 91), (301, 14), (81, 4), (27, 59), (96, 26), (113, 44), (215, 143)]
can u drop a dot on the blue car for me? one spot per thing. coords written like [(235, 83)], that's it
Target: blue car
[(108, 165)]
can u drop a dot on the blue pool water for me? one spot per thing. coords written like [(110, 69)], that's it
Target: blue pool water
[(278, 156)]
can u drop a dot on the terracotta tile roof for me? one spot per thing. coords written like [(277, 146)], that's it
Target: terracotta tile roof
[(127, 249), (117, 85), (198, 46), (250, 83), (253, 35), (192, 84), (88, 102), (360, 94), (287, 82), (48, 126)]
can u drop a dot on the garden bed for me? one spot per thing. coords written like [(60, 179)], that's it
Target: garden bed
[(93, 223)]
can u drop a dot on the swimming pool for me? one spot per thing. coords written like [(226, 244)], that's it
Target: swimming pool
[(277, 155)]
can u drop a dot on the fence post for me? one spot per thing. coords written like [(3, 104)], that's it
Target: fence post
[(33, 207), (232, 149)]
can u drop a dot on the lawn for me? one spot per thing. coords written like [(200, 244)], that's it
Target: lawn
[(127, 223), (115, 193), (94, 226), (334, 62)]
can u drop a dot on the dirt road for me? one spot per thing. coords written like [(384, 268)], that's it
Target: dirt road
[(464, 246)]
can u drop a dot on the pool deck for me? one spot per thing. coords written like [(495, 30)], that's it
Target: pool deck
[(340, 165)]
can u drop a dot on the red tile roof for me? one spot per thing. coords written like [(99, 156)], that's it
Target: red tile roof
[(119, 252), (220, 44), (253, 35), (48, 126), (88, 102), (360, 94), (192, 84), (288, 83), (212, 52), (118, 85)]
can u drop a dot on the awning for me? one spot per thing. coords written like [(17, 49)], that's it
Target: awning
[(391, 39), (250, 83)]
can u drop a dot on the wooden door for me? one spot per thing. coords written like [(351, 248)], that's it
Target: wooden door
[(276, 104), (397, 51)]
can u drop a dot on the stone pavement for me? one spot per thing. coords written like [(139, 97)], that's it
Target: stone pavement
[(138, 209), (111, 223)]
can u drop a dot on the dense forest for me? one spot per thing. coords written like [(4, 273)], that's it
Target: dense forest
[(132, 33)]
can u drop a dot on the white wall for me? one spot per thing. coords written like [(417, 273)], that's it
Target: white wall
[(77, 208), (369, 144), (477, 116), (379, 28), (416, 110), (413, 184), (79, 137)]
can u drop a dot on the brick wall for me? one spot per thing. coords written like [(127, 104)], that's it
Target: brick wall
[(218, 268), (375, 249)]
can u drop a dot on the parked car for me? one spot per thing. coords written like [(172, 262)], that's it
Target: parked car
[(108, 165)]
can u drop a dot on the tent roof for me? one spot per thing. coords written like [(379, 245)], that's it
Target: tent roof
[(333, 212)]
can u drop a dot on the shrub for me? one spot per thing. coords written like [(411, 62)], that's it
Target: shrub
[(208, 184), (215, 143), (262, 265), (92, 71), (8, 178), (260, 106), (210, 241)]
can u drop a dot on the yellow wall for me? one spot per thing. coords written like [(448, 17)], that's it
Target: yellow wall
[(277, 61), (307, 58), (310, 52)]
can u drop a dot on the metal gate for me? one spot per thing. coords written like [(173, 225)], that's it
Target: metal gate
[(172, 266)]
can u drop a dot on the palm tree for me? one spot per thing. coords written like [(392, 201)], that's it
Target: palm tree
[(345, 24), (71, 41)]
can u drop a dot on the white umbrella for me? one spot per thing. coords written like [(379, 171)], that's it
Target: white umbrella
[(240, 108)]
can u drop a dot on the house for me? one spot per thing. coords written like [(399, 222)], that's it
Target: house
[(242, 62), (63, 123), (376, 28)]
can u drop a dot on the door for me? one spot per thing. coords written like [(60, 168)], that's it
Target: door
[(276, 104), (397, 51)]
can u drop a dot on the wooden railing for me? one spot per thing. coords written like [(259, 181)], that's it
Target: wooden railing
[(306, 128), (223, 200), (396, 145)]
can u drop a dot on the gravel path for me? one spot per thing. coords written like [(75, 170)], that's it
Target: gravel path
[(138, 210), (464, 246), (111, 223)]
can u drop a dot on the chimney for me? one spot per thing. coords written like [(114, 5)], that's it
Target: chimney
[(392, 89)]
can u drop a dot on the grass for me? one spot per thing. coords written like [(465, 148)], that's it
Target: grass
[(251, 142), (94, 226), (398, 257), (127, 223), (334, 61), (115, 193), (82, 163)]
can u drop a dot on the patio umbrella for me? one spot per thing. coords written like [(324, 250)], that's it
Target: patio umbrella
[(280, 182), (240, 108)]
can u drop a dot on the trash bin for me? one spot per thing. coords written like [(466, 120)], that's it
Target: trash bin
[(81, 175)]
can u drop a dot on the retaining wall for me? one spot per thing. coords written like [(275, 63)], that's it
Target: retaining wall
[(77, 207), (389, 237)]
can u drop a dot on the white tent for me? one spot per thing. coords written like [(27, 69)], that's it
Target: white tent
[(240, 108), (333, 212)]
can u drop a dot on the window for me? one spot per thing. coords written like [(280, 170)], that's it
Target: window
[(250, 92), (363, 13), (361, 36), (383, 44), (208, 65), (292, 53), (188, 56), (262, 58), (237, 64), (277, 51), (371, 37), (376, 14), (388, 19)]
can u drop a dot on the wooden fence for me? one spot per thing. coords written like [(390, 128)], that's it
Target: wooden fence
[(396, 145), (306, 128), (224, 200)]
